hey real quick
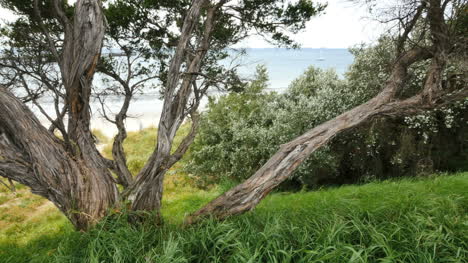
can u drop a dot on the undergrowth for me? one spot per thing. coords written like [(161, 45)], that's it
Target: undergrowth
[(409, 220)]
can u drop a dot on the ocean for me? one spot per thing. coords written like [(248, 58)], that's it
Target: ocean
[(283, 65)]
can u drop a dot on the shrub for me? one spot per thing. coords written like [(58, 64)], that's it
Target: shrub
[(239, 132)]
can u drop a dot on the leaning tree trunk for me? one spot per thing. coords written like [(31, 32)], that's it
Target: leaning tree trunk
[(247, 195)]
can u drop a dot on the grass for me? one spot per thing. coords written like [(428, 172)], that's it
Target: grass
[(408, 220), (139, 146), (101, 138), (29, 226)]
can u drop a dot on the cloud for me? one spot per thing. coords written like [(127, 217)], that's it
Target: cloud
[(343, 24)]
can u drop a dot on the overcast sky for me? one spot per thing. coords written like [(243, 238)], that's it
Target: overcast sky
[(342, 25)]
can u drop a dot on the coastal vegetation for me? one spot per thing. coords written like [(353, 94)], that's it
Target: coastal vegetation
[(367, 167), (178, 45), (239, 132), (406, 220)]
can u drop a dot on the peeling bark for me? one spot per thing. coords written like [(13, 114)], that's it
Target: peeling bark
[(31, 155), (146, 192), (248, 194), (76, 177), (73, 176)]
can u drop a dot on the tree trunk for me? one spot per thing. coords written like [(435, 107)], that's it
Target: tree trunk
[(71, 174), (146, 192), (76, 178), (31, 155), (148, 188), (281, 165), (247, 195)]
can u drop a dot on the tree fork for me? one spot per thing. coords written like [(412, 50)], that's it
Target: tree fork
[(146, 191)]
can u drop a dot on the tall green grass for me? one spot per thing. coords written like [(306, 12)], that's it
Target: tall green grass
[(409, 220), (139, 145)]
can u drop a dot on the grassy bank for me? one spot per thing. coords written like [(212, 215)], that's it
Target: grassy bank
[(409, 220)]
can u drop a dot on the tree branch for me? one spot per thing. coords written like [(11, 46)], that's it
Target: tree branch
[(51, 43), (281, 165)]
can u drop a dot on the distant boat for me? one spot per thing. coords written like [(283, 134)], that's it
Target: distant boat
[(321, 58)]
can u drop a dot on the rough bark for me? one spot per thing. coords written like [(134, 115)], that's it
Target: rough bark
[(124, 176), (73, 176), (81, 52), (281, 165), (119, 163), (127, 85), (146, 192), (76, 178), (31, 155), (247, 195)]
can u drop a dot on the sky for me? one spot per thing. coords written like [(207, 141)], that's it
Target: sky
[(342, 25)]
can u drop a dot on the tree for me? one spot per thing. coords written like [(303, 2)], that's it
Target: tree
[(71, 172), (412, 47), (239, 132)]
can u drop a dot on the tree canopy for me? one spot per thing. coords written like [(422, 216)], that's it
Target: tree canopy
[(175, 46)]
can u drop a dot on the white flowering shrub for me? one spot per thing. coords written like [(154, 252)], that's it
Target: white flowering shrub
[(240, 132), (429, 123), (370, 70)]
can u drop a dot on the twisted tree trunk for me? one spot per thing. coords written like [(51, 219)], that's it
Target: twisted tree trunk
[(33, 156), (247, 195), (76, 178), (71, 173), (146, 192), (281, 165)]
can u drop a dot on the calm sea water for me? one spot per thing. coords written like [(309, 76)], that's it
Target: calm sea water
[(283, 67)]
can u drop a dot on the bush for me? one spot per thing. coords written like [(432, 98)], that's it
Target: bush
[(239, 132), (229, 143)]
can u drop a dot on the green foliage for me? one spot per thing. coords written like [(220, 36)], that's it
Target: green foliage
[(411, 220), (240, 132), (268, 16), (227, 142), (25, 8), (148, 32), (370, 69)]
